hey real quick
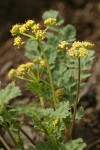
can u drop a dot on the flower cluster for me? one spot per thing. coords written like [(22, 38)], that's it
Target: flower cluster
[(30, 23), (21, 71), (12, 74), (81, 52), (40, 35), (22, 28), (63, 45), (84, 44), (28, 29), (39, 61), (42, 63), (35, 27), (15, 29), (80, 49), (50, 22), (55, 122), (18, 41), (24, 70)]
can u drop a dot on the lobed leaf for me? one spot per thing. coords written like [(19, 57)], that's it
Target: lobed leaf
[(53, 14), (10, 92)]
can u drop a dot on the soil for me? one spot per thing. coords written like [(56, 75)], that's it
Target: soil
[(85, 16)]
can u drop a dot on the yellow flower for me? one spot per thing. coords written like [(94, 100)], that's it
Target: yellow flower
[(40, 35), (63, 45), (50, 22), (84, 44), (12, 73), (24, 69), (81, 52), (15, 29), (35, 27), (55, 122), (73, 52), (29, 65), (30, 23), (76, 44), (80, 49), (23, 28), (36, 60), (59, 93), (18, 41), (42, 63), (87, 45), (21, 70)]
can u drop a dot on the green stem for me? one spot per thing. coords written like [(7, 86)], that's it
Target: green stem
[(38, 75), (45, 82), (42, 102), (18, 136), (31, 75), (28, 35), (50, 75), (4, 143), (45, 130), (46, 29), (77, 98), (22, 78)]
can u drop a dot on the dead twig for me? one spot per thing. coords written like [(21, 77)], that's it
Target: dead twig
[(93, 144), (4, 143)]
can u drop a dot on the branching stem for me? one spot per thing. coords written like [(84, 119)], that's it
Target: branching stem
[(50, 75), (77, 98)]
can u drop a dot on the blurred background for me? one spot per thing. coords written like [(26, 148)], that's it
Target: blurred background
[(85, 16)]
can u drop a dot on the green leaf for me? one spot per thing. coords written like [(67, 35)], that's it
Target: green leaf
[(37, 88), (77, 144), (46, 146), (1, 120), (10, 115), (58, 72), (79, 113), (27, 109), (63, 111), (68, 33), (85, 75), (51, 54), (45, 112), (53, 14), (32, 50), (52, 38), (10, 92)]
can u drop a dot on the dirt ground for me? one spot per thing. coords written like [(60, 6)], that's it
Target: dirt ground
[(85, 16)]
